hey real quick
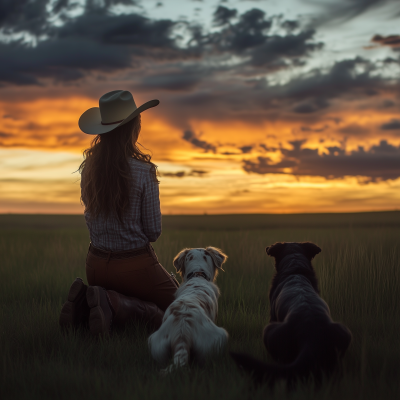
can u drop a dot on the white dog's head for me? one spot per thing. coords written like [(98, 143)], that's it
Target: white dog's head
[(208, 261)]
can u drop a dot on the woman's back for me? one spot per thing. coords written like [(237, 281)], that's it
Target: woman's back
[(142, 220)]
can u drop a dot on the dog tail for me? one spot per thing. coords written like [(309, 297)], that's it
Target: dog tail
[(180, 351), (264, 372), (181, 354)]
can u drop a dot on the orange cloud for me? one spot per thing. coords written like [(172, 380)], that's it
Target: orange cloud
[(46, 127), (53, 123)]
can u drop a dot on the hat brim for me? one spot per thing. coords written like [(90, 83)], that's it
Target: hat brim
[(90, 120)]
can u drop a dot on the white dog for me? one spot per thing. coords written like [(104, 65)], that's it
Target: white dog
[(188, 327)]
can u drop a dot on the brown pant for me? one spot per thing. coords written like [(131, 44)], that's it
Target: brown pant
[(140, 276)]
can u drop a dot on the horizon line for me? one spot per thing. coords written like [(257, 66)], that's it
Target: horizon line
[(227, 214)]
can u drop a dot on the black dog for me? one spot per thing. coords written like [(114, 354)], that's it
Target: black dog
[(301, 333)]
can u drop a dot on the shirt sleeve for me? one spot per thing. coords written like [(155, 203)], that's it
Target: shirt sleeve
[(151, 213)]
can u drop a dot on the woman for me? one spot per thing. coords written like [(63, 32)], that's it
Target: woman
[(119, 189)]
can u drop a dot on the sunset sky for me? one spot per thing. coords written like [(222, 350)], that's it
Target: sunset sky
[(269, 106)]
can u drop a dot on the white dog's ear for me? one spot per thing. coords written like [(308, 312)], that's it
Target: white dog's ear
[(217, 256), (179, 261)]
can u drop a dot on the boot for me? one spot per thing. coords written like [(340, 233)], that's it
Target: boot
[(101, 312), (133, 309), (75, 311), (111, 308)]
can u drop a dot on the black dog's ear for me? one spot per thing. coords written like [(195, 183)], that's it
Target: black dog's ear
[(179, 261), (275, 249), (217, 256), (310, 249)]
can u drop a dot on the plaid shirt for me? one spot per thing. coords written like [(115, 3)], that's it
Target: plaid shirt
[(142, 220)]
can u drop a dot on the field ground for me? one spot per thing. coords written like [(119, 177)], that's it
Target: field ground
[(359, 275)]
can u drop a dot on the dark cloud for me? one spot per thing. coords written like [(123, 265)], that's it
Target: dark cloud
[(351, 76), (340, 11), (381, 162), (304, 98), (199, 172), (24, 15), (354, 130), (282, 51), (94, 41), (191, 137), (290, 26), (125, 29), (391, 40), (394, 124), (34, 16), (223, 15), (61, 5), (230, 153), (239, 192), (184, 78), (249, 37), (350, 79), (267, 148), (183, 174), (62, 60), (308, 129), (311, 106), (246, 149), (92, 5), (98, 41), (179, 174), (248, 32), (388, 104), (9, 116)]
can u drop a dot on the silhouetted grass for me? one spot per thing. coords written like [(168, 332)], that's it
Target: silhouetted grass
[(359, 275)]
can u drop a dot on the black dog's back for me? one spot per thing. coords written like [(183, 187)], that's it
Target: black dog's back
[(301, 333)]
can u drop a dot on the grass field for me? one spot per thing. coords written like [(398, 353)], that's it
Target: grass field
[(359, 275)]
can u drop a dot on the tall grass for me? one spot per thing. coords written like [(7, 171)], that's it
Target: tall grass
[(359, 276)]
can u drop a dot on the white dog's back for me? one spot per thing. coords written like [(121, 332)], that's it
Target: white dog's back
[(188, 327)]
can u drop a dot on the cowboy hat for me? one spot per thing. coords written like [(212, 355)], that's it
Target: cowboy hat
[(116, 108)]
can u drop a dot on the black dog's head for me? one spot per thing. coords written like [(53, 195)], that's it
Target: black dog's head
[(280, 250)]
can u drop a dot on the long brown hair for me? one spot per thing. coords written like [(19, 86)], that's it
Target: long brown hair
[(105, 170)]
